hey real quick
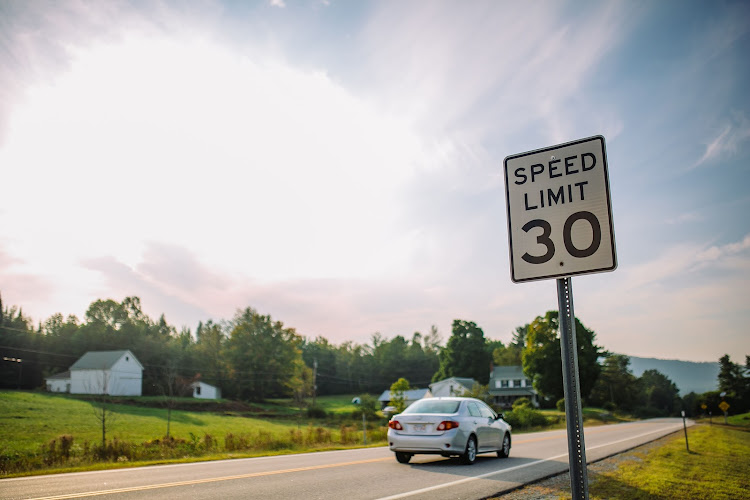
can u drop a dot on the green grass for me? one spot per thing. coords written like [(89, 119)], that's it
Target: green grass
[(30, 421), (717, 467)]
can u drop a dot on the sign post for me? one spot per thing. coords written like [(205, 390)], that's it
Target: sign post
[(560, 225)]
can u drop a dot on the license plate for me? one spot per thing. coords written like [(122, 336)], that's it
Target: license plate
[(419, 427)]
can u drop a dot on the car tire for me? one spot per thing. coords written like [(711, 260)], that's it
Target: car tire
[(403, 458), (470, 455), (505, 450)]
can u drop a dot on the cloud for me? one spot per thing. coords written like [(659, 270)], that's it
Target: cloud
[(728, 142), (277, 3)]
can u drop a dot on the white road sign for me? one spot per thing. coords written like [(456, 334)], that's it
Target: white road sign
[(559, 211)]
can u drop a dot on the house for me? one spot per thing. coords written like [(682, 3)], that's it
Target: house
[(508, 383), (59, 382), (202, 390), (453, 386), (410, 396), (116, 373)]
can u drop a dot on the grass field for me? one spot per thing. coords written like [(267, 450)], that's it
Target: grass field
[(717, 467), (30, 422)]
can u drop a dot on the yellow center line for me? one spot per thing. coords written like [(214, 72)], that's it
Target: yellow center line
[(208, 480)]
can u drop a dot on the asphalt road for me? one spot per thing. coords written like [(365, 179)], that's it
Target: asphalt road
[(370, 473)]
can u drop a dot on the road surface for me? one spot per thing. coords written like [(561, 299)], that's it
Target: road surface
[(370, 473)]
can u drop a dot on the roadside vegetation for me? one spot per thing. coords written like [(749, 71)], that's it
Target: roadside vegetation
[(42, 432), (717, 466)]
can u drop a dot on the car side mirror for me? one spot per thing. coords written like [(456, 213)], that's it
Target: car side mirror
[(501, 416)]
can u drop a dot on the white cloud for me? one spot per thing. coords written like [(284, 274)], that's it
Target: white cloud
[(727, 142), (277, 3)]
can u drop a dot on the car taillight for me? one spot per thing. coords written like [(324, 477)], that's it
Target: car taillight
[(447, 425), (394, 424)]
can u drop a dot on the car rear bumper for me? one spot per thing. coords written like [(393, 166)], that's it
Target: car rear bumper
[(448, 443)]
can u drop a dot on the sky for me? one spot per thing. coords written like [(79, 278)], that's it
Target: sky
[(338, 165)]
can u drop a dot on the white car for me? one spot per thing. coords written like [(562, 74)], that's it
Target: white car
[(461, 427)]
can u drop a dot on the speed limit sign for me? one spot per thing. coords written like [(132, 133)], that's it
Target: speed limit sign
[(559, 211)]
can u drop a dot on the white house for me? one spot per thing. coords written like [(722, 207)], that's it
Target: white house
[(202, 390), (59, 382), (116, 373), (508, 383), (453, 386)]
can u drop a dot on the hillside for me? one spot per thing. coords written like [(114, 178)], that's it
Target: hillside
[(689, 376)]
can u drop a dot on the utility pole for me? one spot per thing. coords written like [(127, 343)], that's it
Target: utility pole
[(315, 379)]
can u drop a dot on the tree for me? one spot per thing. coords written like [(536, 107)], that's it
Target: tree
[(264, 356), (735, 382), (658, 392), (512, 354), (466, 354), (398, 388), (616, 384), (542, 360)]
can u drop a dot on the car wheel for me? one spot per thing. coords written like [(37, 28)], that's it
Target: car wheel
[(403, 458), (470, 456), (505, 450)]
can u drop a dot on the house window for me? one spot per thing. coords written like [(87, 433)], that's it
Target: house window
[(127, 358), (528, 383), (517, 383), (504, 383), (197, 390)]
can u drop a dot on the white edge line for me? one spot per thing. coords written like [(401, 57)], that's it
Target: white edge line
[(510, 469)]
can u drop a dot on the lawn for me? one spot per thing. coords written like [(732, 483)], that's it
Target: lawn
[(717, 466), (29, 422)]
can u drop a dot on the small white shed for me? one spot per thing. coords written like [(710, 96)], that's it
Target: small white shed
[(59, 382), (202, 390), (115, 373)]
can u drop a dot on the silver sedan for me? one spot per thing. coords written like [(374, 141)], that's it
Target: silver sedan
[(461, 427)]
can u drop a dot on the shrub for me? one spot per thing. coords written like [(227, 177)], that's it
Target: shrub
[(560, 405), (525, 417), (316, 412), (521, 403)]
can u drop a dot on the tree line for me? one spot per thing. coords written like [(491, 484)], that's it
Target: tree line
[(253, 357)]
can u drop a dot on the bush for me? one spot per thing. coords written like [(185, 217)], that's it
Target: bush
[(316, 412), (525, 417), (521, 403), (560, 405)]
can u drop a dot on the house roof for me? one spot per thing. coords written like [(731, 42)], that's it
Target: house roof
[(513, 391), (468, 383), (59, 376), (411, 395), (507, 372), (101, 360)]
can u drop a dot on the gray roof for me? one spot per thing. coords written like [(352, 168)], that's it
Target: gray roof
[(466, 382), (507, 372), (101, 360), (513, 391), (59, 376), (411, 395)]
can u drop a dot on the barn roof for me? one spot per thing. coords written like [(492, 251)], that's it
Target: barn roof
[(101, 360)]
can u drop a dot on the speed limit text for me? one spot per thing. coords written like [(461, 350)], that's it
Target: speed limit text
[(565, 193)]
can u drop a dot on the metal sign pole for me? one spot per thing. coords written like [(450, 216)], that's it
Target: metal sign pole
[(579, 483)]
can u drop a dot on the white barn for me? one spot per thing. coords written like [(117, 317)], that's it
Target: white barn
[(202, 390), (115, 373)]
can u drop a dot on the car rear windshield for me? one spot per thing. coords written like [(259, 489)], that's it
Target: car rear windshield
[(427, 406)]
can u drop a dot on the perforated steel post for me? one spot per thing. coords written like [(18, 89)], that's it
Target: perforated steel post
[(579, 483)]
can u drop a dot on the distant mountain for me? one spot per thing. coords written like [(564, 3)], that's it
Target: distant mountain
[(689, 376)]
